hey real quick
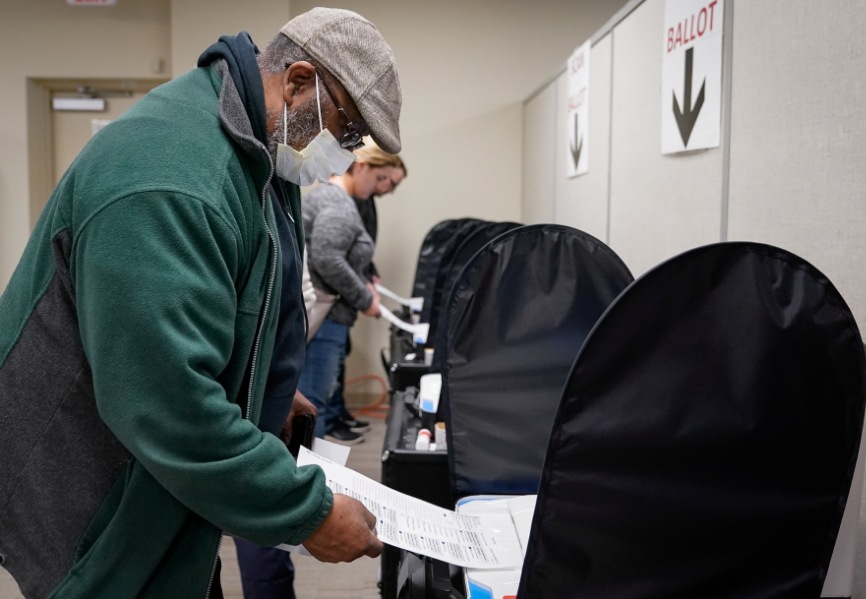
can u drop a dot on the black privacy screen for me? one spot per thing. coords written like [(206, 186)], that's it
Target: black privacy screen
[(437, 241), (706, 438), (511, 328), (461, 252)]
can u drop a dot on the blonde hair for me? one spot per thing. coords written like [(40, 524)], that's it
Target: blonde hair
[(374, 156)]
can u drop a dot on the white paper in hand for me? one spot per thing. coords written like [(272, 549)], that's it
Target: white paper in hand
[(469, 540)]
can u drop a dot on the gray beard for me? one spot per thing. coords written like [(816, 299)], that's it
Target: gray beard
[(302, 126)]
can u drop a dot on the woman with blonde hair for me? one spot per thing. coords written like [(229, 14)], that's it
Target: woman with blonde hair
[(374, 156), (340, 251)]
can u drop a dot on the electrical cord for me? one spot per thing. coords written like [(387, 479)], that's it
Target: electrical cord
[(375, 409)]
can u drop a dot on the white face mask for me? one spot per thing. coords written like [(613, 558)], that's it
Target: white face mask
[(322, 157)]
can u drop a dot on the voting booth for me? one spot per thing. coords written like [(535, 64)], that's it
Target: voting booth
[(436, 250), (708, 442), (707, 436), (429, 255), (446, 248), (421, 474), (510, 328), (461, 251), (707, 439), (404, 364)]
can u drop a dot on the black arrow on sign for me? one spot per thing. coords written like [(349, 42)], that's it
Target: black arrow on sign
[(575, 152), (686, 120)]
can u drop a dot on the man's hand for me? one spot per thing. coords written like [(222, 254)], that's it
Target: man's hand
[(347, 533), (300, 406)]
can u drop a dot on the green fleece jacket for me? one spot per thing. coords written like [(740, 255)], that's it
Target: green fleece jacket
[(135, 338)]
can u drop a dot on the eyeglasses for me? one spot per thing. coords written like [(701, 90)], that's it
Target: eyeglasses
[(352, 137)]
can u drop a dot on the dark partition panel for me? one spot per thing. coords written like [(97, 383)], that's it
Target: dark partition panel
[(475, 239), (430, 255), (706, 438), (512, 326), (441, 257)]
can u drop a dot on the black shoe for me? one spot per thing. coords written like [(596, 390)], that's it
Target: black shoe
[(343, 436), (355, 425)]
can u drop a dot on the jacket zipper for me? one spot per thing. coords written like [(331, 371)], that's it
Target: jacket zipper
[(254, 363), (213, 568), (274, 256)]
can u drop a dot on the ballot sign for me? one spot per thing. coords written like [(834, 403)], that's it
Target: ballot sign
[(577, 112), (692, 75)]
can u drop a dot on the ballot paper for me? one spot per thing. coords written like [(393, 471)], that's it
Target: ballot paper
[(339, 454), (470, 540), (419, 331), (413, 303)]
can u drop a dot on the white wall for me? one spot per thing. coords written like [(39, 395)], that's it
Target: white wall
[(539, 158), (196, 24), (789, 171), (798, 136)]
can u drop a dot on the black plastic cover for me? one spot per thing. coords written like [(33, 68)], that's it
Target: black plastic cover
[(440, 258), (512, 326), (428, 259), (470, 244), (706, 438)]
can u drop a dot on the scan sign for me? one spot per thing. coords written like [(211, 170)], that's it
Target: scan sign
[(577, 112), (692, 75)]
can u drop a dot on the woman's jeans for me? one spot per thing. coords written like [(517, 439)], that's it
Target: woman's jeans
[(326, 354)]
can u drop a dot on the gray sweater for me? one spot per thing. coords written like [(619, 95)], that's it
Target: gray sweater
[(339, 250)]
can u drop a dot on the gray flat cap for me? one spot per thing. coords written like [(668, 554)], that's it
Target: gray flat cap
[(352, 50)]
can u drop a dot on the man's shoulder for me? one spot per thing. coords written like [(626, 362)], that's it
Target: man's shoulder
[(167, 142)]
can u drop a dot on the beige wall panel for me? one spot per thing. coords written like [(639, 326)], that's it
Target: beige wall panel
[(52, 40), (660, 205), (539, 156), (798, 137), (582, 202), (196, 24)]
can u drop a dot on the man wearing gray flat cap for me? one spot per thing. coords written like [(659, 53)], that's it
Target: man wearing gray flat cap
[(152, 337)]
